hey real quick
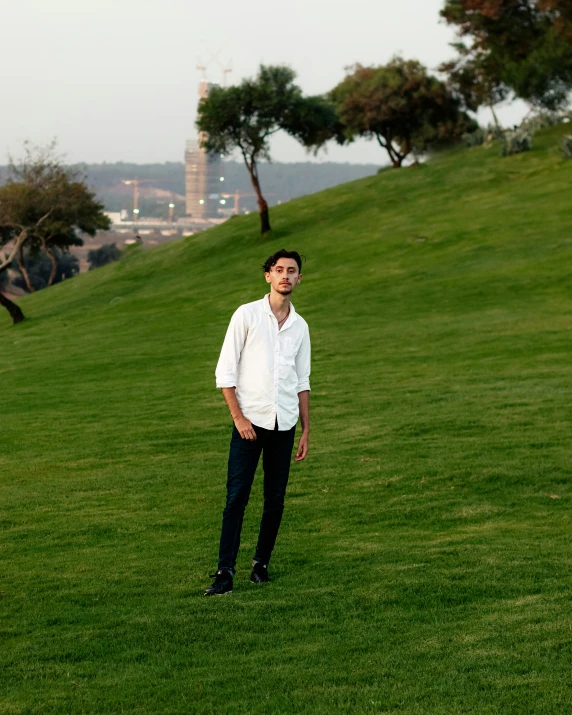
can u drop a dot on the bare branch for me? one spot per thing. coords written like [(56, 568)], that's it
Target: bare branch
[(21, 240), (18, 243), (245, 157), (43, 218)]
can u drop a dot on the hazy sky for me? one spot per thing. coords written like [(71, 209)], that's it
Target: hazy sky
[(116, 80)]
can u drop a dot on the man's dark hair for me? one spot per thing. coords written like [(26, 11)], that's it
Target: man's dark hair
[(282, 253)]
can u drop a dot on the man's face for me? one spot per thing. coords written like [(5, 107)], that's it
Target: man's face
[(284, 276)]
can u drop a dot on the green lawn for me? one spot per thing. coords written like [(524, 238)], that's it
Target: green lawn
[(423, 565)]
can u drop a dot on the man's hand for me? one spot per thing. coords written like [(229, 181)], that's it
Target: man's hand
[(244, 426), (303, 445)]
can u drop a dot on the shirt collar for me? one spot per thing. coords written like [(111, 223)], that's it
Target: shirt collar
[(267, 309)]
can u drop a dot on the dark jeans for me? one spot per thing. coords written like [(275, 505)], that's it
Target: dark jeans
[(243, 457)]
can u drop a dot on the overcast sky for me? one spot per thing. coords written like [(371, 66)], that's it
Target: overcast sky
[(116, 80)]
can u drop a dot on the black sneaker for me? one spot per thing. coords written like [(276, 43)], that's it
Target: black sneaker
[(259, 573), (222, 583)]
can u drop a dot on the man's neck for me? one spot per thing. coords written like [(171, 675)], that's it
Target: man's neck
[(279, 303)]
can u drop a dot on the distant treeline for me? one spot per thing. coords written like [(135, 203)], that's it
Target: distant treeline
[(281, 181)]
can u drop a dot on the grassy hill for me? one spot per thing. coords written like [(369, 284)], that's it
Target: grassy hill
[(423, 564)]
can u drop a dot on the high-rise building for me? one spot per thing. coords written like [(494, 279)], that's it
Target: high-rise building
[(203, 178)]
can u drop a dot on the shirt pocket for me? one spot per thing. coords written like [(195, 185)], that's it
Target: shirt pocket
[(288, 351)]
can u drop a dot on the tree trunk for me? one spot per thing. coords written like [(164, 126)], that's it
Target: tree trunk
[(52, 258), (15, 312), (497, 125), (23, 270), (264, 219), (395, 157), (262, 205)]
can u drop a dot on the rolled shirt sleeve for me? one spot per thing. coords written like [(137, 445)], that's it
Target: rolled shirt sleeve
[(227, 366), (303, 362)]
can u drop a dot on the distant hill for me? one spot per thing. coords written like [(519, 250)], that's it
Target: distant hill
[(166, 182)]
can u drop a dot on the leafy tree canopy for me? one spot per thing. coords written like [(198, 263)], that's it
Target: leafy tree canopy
[(401, 105), (245, 116), (519, 47)]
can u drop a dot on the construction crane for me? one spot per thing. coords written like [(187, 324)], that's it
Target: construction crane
[(214, 57), (136, 183)]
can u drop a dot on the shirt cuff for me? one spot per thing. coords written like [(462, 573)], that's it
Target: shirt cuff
[(225, 381), (304, 385)]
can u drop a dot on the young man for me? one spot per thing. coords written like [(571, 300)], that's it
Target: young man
[(263, 372)]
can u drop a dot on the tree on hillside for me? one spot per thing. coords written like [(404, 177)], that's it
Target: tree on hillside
[(245, 116), (401, 105), (42, 205), (518, 47)]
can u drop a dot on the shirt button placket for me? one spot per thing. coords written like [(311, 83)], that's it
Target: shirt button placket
[(276, 368)]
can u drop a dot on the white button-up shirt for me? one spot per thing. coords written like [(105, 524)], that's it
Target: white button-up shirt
[(268, 367)]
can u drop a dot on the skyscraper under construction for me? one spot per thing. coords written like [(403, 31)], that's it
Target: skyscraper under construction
[(203, 178)]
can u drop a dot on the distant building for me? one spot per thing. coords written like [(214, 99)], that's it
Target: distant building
[(203, 179)]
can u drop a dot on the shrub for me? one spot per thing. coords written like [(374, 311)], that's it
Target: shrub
[(476, 138), (542, 120), (103, 255), (483, 136), (516, 141), (566, 146), (39, 267)]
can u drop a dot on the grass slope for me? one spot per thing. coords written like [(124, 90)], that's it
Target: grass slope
[(423, 565)]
